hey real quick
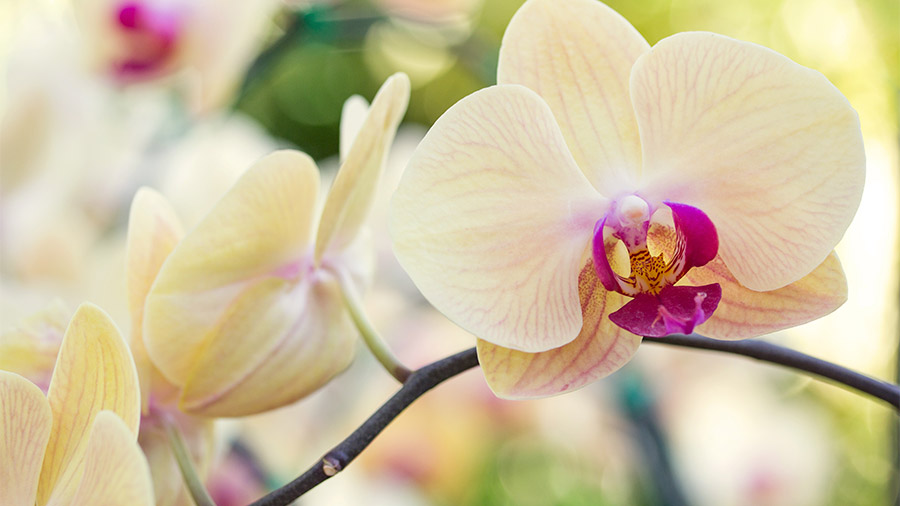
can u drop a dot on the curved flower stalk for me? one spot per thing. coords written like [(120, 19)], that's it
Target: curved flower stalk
[(211, 42), (606, 190), (153, 231), (246, 314), (77, 445)]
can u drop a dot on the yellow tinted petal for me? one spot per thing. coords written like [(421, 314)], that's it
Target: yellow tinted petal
[(25, 421), (356, 182), (353, 115), (599, 350), (153, 231), (30, 347), (491, 217), (744, 313), (115, 469), (94, 372), (768, 149), (577, 55), (261, 225), (276, 344)]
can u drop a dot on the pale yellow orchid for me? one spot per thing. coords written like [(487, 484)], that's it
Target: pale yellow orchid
[(247, 313), (153, 231), (77, 445), (721, 172)]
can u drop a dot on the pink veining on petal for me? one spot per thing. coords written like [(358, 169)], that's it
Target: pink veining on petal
[(676, 310)]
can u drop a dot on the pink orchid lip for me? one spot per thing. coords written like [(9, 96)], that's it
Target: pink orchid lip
[(659, 307), (150, 35), (676, 310)]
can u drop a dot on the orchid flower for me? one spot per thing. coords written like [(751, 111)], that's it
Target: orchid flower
[(212, 41), (721, 172), (153, 231), (76, 445), (247, 312)]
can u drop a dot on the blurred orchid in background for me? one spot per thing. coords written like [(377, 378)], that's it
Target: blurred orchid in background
[(153, 232), (76, 446), (502, 216), (247, 314), (207, 43)]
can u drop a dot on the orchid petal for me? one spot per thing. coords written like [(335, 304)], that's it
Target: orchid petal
[(745, 313), (276, 344), (115, 469), (353, 116), (25, 421), (356, 183), (94, 372), (577, 55), (723, 122), (262, 225), (600, 349), (30, 348), (491, 218), (676, 310), (153, 231)]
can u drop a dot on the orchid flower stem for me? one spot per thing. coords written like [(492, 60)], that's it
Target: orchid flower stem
[(369, 335), (186, 465), (426, 378), (419, 382), (775, 354)]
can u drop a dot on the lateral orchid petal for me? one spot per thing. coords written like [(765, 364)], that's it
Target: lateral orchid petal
[(94, 372), (724, 121), (577, 56), (501, 186), (745, 313), (291, 340), (356, 182), (600, 349), (115, 469), (153, 231), (25, 422), (262, 226), (697, 241)]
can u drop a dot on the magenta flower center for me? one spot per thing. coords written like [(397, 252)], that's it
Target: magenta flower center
[(659, 307)]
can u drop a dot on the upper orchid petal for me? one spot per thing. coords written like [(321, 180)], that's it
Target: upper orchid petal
[(25, 422), (600, 349), (275, 345), (769, 149), (262, 226), (153, 231), (577, 55), (115, 469), (356, 182), (744, 313), (508, 214), (94, 372)]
